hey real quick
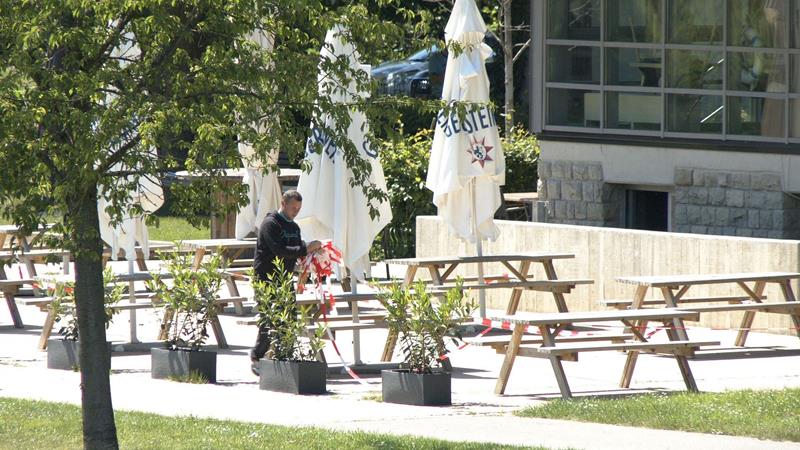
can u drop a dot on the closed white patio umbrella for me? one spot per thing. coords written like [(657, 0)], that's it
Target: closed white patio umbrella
[(263, 188), (332, 208), (467, 166)]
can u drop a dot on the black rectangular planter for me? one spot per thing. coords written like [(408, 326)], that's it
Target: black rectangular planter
[(64, 354), (166, 363), (294, 377), (408, 388)]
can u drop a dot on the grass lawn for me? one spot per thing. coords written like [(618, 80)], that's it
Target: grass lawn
[(176, 229), (33, 424), (769, 415)]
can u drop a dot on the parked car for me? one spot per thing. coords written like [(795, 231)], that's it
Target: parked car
[(422, 73)]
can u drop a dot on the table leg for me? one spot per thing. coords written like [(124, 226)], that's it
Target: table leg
[(788, 294), (749, 316), (669, 299), (508, 361), (198, 257), (548, 338), (233, 291), (218, 333), (12, 308), (686, 372), (516, 294), (47, 328), (388, 347), (550, 271), (630, 361), (436, 277), (411, 271), (166, 322)]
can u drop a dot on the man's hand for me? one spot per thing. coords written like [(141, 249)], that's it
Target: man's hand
[(313, 246)]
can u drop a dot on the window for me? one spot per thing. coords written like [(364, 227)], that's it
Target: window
[(707, 69)]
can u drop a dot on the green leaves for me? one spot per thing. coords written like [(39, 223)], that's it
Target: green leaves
[(422, 324), (190, 298), (287, 323)]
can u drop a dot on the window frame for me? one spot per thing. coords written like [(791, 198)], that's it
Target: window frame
[(541, 87)]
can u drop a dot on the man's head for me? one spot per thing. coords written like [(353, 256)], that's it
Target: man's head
[(291, 203)]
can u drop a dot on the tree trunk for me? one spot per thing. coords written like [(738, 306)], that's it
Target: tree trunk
[(508, 55), (99, 430)]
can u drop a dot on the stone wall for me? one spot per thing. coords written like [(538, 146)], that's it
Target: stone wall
[(574, 193), (749, 204)]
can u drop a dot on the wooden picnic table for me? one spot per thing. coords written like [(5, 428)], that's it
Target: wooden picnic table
[(441, 271), (229, 248), (225, 227), (673, 289), (29, 258), (550, 324), (525, 200), (15, 233)]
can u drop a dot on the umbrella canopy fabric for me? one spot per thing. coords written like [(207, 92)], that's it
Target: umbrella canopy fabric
[(332, 209), (263, 188), (149, 194), (467, 166), (132, 229)]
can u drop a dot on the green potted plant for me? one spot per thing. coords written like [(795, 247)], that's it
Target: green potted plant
[(64, 353), (189, 305), (422, 327), (291, 363)]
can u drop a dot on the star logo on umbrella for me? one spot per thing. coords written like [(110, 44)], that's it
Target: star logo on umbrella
[(479, 150)]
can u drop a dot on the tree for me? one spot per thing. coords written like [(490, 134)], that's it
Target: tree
[(87, 88), (514, 47)]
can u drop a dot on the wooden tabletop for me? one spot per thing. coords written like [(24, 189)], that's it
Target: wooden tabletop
[(537, 319), (284, 174), (679, 280), (521, 196), (211, 244), (440, 260)]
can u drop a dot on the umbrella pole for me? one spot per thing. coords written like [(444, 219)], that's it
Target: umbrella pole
[(479, 251), (354, 309), (132, 299)]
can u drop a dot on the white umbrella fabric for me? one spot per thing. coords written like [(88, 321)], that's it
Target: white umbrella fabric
[(132, 229), (467, 166), (332, 209), (263, 188)]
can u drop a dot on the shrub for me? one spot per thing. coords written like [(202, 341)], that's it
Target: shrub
[(286, 322), (422, 326), (190, 302), (405, 165)]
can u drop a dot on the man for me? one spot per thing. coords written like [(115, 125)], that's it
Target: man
[(278, 236)]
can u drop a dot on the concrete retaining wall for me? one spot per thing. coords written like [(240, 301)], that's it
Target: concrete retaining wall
[(602, 254)]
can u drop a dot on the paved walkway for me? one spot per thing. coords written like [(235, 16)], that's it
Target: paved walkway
[(477, 414)]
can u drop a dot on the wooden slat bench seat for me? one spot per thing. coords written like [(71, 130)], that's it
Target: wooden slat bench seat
[(500, 343), (780, 308), (560, 286), (338, 318), (486, 278), (625, 304), (350, 326), (570, 352)]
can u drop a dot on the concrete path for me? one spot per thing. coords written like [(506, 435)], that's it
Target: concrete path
[(477, 414)]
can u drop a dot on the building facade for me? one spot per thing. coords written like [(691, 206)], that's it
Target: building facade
[(672, 115)]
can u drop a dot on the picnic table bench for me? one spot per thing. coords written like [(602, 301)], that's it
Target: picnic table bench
[(557, 350), (674, 287), (441, 272)]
